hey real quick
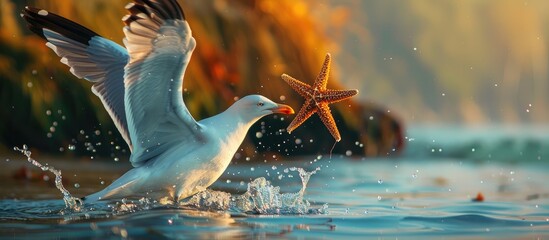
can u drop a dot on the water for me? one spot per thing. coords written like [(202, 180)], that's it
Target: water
[(422, 194), (70, 201)]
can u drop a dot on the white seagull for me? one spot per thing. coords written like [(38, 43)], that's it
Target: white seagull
[(140, 85)]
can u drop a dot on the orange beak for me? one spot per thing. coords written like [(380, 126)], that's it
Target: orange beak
[(284, 109)]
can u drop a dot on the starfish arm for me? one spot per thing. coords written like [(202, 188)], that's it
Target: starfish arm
[(322, 79), (301, 88), (307, 110), (326, 116), (333, 96)]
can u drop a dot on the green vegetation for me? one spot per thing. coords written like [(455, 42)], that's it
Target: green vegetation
[(242, 48)]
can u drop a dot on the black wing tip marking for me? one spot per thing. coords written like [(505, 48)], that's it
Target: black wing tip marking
[(40, 19), (164, 9)]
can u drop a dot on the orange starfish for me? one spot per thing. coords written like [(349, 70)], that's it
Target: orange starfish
[(317, 99)]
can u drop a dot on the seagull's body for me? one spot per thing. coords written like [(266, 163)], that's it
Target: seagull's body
[(189, 167), (140, 86)]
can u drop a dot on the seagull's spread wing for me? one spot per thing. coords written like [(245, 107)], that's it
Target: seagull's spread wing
[(160, 44), (89, 56)]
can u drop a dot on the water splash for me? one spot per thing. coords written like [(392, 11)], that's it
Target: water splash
[(209, 200), (70, 201), (261, 197)]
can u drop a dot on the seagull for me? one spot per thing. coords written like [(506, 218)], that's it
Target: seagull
[(140, 85)]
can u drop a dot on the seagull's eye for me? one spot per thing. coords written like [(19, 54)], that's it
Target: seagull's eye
[(260, 104)]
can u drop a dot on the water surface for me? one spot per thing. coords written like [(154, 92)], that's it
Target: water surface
[(427, 195)]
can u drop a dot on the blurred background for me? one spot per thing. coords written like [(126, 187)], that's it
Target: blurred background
[(418, 65)]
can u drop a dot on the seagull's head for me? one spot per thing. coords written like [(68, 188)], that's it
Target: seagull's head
[(253, 107)]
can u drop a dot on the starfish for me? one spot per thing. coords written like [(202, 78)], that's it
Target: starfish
[(317, 99)]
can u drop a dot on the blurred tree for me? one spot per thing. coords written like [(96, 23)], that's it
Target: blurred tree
[(242, 48)]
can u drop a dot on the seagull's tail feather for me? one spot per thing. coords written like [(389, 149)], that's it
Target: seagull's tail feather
[(89, 56), (125, 186)]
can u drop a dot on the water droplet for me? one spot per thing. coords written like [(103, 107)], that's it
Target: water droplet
[(247, 159), (102, 182), (348, 153), (380, 181), (414, 175), (297, 141), (258, 135), (379, 198), (43, 12), (48, 112), (282, 98), (228, 181), (76, 185), (116, 159), (71, 147), (252, 169)]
